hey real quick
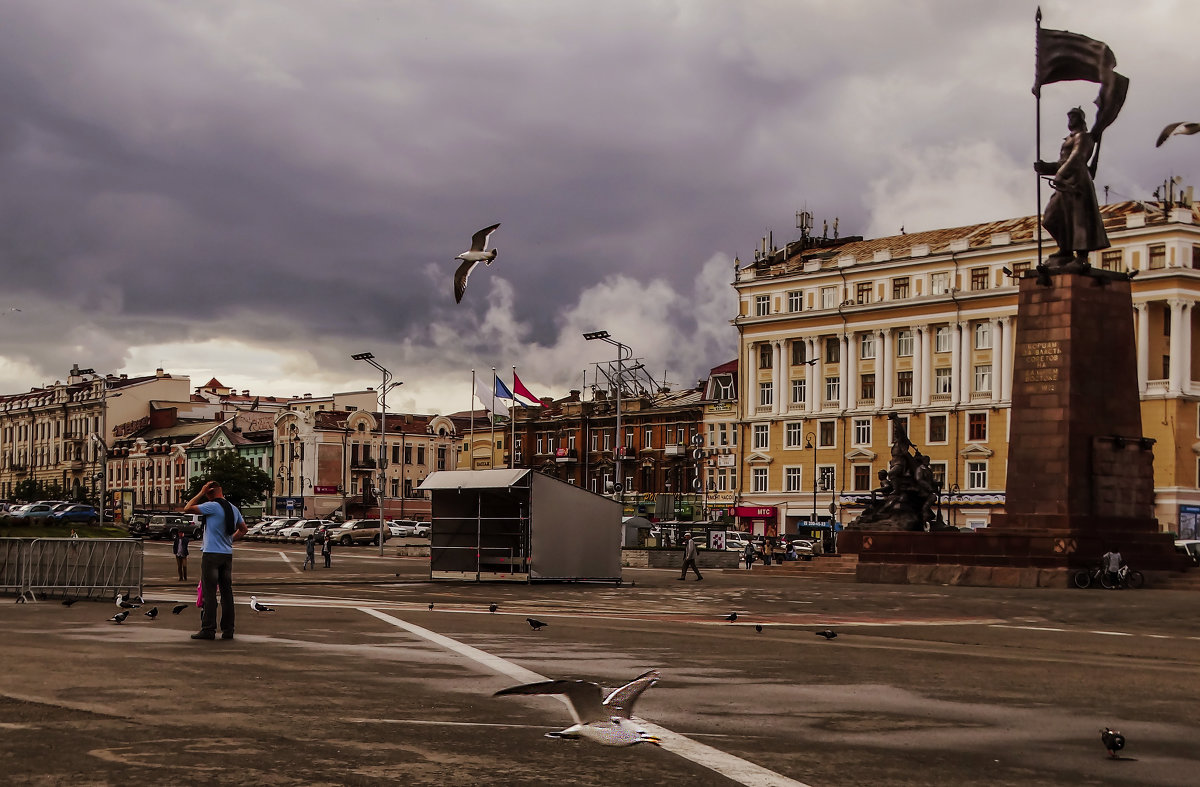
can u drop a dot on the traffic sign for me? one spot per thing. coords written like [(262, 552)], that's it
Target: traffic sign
[(698, 485), (697, 440), (618, 488), (698, 454)]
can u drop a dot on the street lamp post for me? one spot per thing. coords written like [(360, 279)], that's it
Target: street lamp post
[(383, 391), (808, 443), (603, 336), (954, 494)]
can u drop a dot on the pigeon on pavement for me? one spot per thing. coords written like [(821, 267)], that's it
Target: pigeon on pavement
[(475, 255), (120, 616), (431, 606), (178, 608), (608, 721), (535, 624), (732, 616), (1113, 741), (152, 613), (827, 634), (492, 607), (257, 607), (758, 627)]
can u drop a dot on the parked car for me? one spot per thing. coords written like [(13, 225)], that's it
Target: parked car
[(1189, 547), (76, 514), (357, 531), (422, 530), (256, 530), (402, 528), (36, 514), (804, 548), (303, 528), (167, 525), (273, 527)]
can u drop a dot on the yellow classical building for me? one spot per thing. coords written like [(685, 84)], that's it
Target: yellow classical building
[(836, 334)]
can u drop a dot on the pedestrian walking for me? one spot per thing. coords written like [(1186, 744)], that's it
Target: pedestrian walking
[(310, 559), (223, 526), (689, 557), (327, 549), (748, 554), (180, 549)]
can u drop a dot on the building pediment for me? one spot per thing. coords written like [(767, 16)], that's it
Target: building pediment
[(976, 451), (758, 459), (861, 455)]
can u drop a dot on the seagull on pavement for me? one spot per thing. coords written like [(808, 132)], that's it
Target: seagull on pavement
[(257, 607), (608, 721), (1177, 128), (120, 616), (178, 608), (827, 634), (152, 613), (123, 603), (475, 255), (535, 624)]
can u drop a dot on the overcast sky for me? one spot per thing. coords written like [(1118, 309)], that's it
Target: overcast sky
[(255, 190)]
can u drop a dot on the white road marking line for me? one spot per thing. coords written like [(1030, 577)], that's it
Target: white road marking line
[(288, 560), (432, 723), (728, 765), (1027, 628), (1112, 633)]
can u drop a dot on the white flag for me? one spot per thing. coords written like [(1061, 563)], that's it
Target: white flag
[(485, 395)]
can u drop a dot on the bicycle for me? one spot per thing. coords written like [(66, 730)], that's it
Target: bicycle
[(1126, 578), (1086, 577)]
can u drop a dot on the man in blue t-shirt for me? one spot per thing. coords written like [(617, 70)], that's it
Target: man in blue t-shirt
[(223, 525)]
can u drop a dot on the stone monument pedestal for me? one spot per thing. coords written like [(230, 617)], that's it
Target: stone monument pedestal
[(1080, 473)]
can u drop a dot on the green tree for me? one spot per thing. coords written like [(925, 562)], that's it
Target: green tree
[(241, 481)]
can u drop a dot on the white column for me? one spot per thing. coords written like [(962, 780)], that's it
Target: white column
[(880, 365), (814, 379), (965, 355), (1185, 361), (777, 377), (956, 391), (926, 364), (1006, 359), (888, 357), (999, 338), (852, 369), (847, 366), (1143, 345), (1175, 366), (918, 366)]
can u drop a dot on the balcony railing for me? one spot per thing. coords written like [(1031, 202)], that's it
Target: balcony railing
[(795, 407), (977, 396), (675, 450)]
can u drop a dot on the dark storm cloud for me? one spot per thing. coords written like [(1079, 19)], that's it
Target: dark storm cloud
[(297, 175)]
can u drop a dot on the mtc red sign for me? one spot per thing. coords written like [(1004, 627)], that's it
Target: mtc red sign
[(760, 512), (325, 490)]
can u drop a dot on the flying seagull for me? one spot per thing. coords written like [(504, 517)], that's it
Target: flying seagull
[(827, 634), (1177, 128), (535, 624), (178, 608), (732, 616), (254, 605), (475, 255), (120, 616), (122, 603), (69, 601), (1113, 741), (608, 721), (492, 607), (152, 613)]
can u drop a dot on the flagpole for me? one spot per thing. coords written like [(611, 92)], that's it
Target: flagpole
[(1037, 69), (492, 439), (471, 451), (512, 441)]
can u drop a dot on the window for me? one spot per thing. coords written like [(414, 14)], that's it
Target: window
[(608, 441), (904, 343), (793, 435), (829, 298), (862, 292), (766, 394), (648, 438), (762, 437), (594, 440), (1166, 367), (983, 335), (1158, 256), (979, 278), (760, 479), (764, 356), (420, 454), (827, 434), (941, 339), (899, 288), (793, 299), (862, 478), (629, 438), (762, 305), (833, 350), (867, 386), (723, 387), (1111, 260), (937, 428), (977, 426), (1020, 267), (1196, 256), (939, 283), (1166, 315), (408, 487), (939, 474), (976, 475), (396, 487), (799, 389), (866, 346), (799, 352), (828, 477), (724, 436), (904, 383), (983, 378), (833, 389), (792, 479), (862, 431), (941, 381)]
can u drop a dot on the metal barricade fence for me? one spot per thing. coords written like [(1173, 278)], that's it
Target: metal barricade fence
[(78, 567), (12, 565)]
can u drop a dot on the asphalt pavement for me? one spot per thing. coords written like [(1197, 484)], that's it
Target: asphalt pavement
[(353, 680)]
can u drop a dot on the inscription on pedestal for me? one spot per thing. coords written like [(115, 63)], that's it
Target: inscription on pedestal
[(1041, 361)]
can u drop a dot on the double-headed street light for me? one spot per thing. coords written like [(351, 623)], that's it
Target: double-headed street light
[(384, 388), (808, 443), (621, 358)]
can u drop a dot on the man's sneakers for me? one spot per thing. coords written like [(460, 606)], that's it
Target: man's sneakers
[(204, 635), (226, 635)]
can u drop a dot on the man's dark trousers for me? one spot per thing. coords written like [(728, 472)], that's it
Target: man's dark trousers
[(216, 571)]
